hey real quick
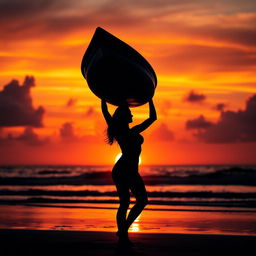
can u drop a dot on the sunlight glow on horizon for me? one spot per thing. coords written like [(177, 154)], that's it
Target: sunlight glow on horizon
[(118, 156)]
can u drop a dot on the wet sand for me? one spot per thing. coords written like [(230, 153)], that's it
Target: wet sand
[(101, 217), (50, 242)]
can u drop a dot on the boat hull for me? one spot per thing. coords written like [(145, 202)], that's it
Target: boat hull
[(116, 72)]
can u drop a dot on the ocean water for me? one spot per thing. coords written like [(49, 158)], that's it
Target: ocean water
[(211, 186), (182, 199)]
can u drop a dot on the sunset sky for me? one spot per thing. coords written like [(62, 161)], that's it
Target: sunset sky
[(204, 55)]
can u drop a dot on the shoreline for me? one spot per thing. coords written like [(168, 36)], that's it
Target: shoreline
[(114, 206), (92, 218), (95, 243)]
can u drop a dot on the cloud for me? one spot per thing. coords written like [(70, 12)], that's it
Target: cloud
[(31, 138), (67, 132), (162, 133), (198, 123), (237, 31), (194, 58), (46, 17), (220, 106), (28, 137), (189, 36), (71, 102), (233, 126), (16, 108), (184, 19), (194, 97), (91, 112)]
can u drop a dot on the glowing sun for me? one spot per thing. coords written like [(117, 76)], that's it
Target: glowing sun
[(120, 154)]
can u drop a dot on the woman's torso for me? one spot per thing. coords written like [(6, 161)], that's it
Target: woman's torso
[(130, 144)]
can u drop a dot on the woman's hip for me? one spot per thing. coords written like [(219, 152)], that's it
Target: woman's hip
[(127, 177)]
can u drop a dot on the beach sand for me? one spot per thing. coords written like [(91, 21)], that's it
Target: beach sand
[(52, 242), (53, 230)]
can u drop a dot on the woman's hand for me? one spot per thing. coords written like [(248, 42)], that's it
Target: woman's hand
[(104, 105), (152, 118), (152, 110)]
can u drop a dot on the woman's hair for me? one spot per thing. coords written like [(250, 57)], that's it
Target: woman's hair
[(115, 127)]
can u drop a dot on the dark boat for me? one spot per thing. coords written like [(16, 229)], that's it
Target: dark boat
[(116, 72)]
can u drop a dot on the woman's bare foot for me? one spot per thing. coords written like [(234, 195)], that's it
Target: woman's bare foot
[(124, 239)]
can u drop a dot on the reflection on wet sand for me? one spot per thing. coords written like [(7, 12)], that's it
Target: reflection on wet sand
[(135, 227), (56, 217)]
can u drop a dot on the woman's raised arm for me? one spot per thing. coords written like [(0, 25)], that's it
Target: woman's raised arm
[(152, 118), (104, 109)]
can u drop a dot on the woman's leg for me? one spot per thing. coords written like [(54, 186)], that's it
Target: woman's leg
[(124, 197), (124, 202), (139, 191), (123, 192)]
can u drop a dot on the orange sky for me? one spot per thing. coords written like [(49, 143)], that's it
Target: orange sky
[(204, 54)]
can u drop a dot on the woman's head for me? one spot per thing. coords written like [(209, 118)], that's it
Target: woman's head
[(120, 120), (122, 114)]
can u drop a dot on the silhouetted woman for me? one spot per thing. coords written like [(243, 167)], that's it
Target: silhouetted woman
[(125, 173)]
